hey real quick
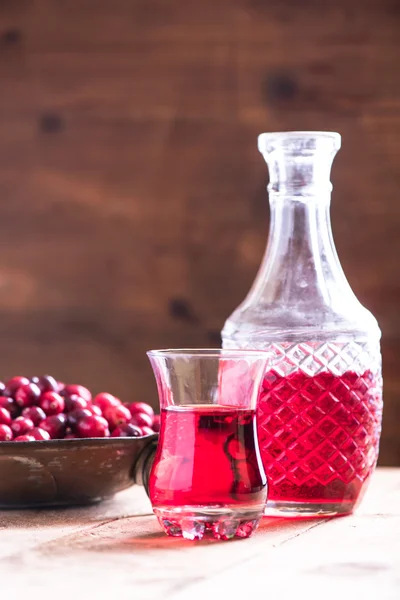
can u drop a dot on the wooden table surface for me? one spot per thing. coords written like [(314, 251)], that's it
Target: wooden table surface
[(117, 550)]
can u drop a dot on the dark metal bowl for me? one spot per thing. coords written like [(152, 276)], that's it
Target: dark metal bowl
[(75, 471)]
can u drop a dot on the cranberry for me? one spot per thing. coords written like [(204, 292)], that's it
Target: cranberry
[(34, 413), (5, 417), (27, 395), (13, 384), (9, 404), (146, 430), (2, 387), (105, 400), (52, 403), (39, 434), (21, 425), (47, 383), (156, 423), (141, 407), (24, 438), (126, 430), (92, 427), (142, 420), (6, 434), (76, 415), (61, 387), (95, 410), (79, 390), (73, 402), (115, 415), (6, 401), (55, 425)]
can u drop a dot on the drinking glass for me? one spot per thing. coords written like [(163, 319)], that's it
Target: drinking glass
[(207, 477)]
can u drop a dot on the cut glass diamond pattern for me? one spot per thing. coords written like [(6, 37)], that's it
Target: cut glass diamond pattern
[(319, 416)]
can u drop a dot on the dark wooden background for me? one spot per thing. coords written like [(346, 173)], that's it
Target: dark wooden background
[(133, 211)]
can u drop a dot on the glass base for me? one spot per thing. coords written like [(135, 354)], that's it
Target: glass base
[(307, 509), (218, 522)]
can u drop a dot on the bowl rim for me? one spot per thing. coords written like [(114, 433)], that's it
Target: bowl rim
[(75, 441)]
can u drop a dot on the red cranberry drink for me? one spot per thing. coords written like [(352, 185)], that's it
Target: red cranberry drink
[(207, 476), (319, 436), (208, 457)]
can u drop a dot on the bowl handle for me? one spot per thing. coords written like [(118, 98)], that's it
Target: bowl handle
[(142, 467)]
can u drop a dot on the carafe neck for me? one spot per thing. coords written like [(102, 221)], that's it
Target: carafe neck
[(301, 264), (299, 163)]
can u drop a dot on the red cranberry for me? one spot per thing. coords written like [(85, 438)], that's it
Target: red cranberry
[(9, 404), (47, 383), (92, 427), (6, 434), (6, 401), (156, 423), (61, 387), (5, 417), (13, 384), (74, 401), (55, 425), (141, 407), (79, 390), (146, 430), (34, 413), (52, 403), (21, 425), (24, 438), (76, 415), (95, 410), (126, 430), (142, 420), (39, 434), (115, 415), (105, 400), (2, 387), (27, 395)]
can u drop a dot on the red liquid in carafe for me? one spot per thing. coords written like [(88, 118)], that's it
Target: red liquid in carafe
[(319, 435)]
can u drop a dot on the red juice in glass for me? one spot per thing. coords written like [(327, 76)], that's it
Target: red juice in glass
[(207, 478), (207, 456)]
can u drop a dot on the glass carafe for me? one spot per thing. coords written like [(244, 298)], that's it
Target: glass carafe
[(320, 410)]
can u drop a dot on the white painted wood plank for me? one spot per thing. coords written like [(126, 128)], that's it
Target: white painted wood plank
[(350, 557), (112, 551), (23, 529)]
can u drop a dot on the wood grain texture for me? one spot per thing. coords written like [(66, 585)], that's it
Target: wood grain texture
[(117, 548), (133, 210)]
